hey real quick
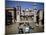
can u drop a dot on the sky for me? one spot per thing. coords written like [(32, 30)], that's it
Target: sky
[(24, 4)]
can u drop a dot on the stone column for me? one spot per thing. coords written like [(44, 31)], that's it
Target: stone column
[(12, 16), (40, 17), (35, 18), (18, 15), (35, 14)]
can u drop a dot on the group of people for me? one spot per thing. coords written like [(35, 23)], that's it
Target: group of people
[(24, 28)]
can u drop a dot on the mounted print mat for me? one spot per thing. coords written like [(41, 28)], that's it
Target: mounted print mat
[(24, 17)]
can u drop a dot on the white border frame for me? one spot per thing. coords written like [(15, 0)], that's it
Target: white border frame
[(2, 16)]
